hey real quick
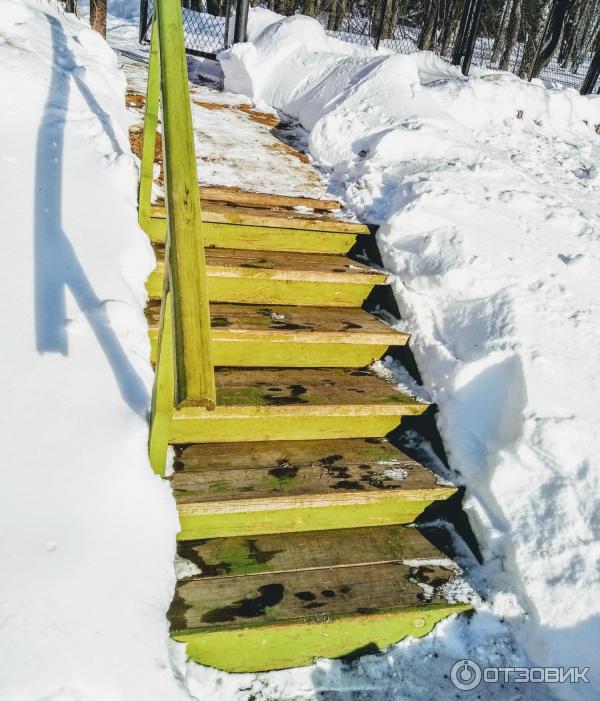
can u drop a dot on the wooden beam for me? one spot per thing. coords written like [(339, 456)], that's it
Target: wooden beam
[(163, 391), (281, 646), (194, 377), (247, 198), (247, 216), (149, 138), (287, 552)]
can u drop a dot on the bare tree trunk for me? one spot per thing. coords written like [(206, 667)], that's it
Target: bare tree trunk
[(427, 37), (535, 36), (514, 25), (391, 18), (451, 27), (309, 8), (501, 32), (98, 16)]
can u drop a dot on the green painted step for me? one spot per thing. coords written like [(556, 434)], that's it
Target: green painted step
[(271, 602), (247, 335), (231, 489), (225, 226), (295, 404), (268, 277)]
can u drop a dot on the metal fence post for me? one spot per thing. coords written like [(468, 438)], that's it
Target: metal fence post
[(471, 37), (241, 21), (459, 44), (143, 20), (592, 75)]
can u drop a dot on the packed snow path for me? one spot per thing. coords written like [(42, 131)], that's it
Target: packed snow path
[(299, 461)]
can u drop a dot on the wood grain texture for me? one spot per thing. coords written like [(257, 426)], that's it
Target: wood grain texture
[(194, 380), (284, 486), (278, 646), (163, 392), (264, 200), (285, 404), (224, 214), (263, 238), (287, 552), (247, 335), (149, 137), (305, 595), (308, 388), (272, 277)]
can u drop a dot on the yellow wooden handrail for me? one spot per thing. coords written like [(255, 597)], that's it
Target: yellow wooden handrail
[(186, 378)]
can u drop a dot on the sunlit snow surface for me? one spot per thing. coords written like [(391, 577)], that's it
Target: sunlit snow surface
[(490, 225)]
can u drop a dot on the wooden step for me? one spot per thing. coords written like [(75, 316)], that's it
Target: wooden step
[(293, 404), (249, 335), (284, 486), (223, 194), (249, 554), (275, 229), (271, 277), (369, 597)]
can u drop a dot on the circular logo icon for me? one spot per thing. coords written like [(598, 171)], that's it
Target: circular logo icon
[(465, 675)]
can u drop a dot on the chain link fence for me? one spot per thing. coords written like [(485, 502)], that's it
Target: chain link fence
[(206, 25), (554, 40)]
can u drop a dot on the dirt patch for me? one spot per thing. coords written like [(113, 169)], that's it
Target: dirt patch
[(136, 139), (134, 99), (280, 147), (269, 120)]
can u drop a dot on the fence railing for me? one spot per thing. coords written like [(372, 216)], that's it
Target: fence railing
[(184, 369)]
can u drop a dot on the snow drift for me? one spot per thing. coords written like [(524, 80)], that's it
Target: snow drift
[(486, 193), (87, 531)]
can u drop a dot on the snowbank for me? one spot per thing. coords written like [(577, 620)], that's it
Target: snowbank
[(491, 226), (87, 531)]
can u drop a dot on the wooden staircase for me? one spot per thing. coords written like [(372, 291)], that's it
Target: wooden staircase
[(297, 509)]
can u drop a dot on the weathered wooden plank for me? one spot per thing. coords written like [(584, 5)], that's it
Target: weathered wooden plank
[(194, 380), (263, 200), (277, 552), (163, 391), (280, 488), (350, 452), (262, 648), (263, 238), (309, 387), (284, 486), (223, 214), (282, 404), (350, 511), (246, 335), (149, 136), (271, 277), (312, 324), (305, 595)]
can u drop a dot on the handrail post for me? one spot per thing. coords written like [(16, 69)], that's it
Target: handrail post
[(185, 260), (149, 136), (163, 392)]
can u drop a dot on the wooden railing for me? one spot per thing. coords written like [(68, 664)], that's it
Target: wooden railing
[(184, 368)]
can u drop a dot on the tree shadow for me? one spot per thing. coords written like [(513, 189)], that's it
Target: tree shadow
[(55, 260)]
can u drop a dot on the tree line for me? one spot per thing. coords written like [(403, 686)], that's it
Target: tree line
[(511, 32)]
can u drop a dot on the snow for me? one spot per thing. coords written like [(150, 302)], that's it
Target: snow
[(490, 224), (87, 531)]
